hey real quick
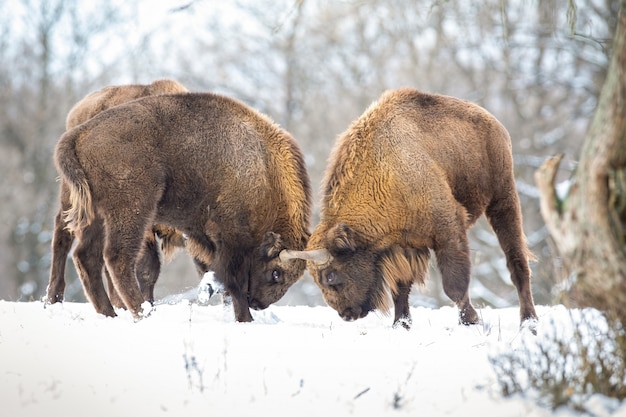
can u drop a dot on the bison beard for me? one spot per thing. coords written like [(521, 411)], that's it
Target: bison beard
[(208, 166), (411, 175)]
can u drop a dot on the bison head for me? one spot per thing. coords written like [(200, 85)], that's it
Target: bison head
[(272, 274), (347, 271)]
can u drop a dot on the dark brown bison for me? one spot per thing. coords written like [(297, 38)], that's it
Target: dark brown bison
[(413, 173), (220, 172), (149, 264)]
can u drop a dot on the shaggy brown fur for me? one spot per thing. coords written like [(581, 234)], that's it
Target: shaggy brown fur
[(113, 95), (226, 176), (413, 173), (149, 264)]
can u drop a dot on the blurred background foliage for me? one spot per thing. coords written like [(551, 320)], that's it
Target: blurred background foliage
[(313, 66)]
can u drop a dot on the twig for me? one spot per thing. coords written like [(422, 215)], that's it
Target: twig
[(362, 392)]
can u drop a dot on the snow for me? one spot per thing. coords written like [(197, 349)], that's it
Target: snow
[(186, 359)]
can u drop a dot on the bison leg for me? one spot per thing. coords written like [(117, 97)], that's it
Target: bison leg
[(401, 306), (506, 220), (147, 273), (62, 240), (89, 263), (237, 287), (454, 263), (121, 250), (148, 267), (114, 296), (241, 307), (229, 272)]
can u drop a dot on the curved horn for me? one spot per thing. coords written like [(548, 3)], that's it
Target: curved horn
[(318, 256)]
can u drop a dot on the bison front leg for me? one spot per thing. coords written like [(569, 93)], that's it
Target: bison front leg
[(401, 306), (240, 305), (148, 267), (454, 264)]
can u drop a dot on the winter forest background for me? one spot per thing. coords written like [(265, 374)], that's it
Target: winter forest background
[(313, 66)]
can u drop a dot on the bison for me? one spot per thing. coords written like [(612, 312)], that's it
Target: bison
[(209, 166), (149, 265), (411, 175)]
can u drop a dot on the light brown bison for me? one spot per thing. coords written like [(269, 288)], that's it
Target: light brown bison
[(413, 173), (113, 95), (225, 175), (149, 264)]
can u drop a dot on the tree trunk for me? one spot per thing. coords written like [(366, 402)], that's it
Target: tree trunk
[(588, 225)]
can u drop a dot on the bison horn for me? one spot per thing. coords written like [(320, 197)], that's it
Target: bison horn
[(318, 256)]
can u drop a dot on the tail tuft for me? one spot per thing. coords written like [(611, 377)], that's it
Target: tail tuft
[(81, 212)]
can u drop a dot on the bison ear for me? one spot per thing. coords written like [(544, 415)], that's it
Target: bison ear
[(342, 238), (272, 245)]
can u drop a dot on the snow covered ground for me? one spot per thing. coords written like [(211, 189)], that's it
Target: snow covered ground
[(186, 360)]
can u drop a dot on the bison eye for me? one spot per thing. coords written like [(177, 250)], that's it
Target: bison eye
[(276, 278), (333, 279)]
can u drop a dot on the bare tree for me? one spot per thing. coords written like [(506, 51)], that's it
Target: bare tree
[(588, 224)]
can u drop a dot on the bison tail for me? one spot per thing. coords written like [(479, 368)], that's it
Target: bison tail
[(81, 212)]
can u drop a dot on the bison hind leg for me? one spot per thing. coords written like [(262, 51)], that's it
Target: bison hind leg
[(454, 263), (505, 218), (62, 240), (114, 296), (89, 263), (121, 252), (468, 315)]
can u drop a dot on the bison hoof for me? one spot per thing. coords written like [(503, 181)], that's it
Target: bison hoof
[(404, 322), (144, 311), (530, 324), (468, 316), (51, 300), (47, 301), (244, 317)]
